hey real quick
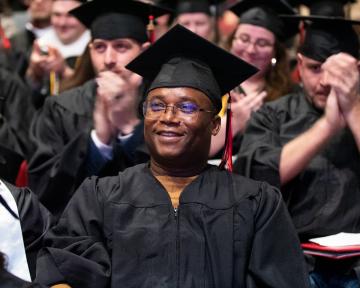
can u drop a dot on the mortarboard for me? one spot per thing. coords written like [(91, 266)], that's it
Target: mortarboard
[(324, 7), (265, 13), (110, 20), (328, 35), (180, 58), (192, 6), (189, 6)]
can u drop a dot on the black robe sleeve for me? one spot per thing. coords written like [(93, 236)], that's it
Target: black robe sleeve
[(16, 112), (80, 253), (276, 257), (55, 170), (259, 155)]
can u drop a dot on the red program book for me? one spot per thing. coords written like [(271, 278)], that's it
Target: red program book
[(342, 252)]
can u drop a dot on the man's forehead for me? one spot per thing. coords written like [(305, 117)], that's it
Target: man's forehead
[(310, 61), (117, 40)]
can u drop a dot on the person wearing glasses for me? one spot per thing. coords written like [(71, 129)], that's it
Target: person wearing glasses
[(176, 221), (258, 39)]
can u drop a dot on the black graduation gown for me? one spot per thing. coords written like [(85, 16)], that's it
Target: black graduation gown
[(324, 199), (122, 231), (35, 221), (61, 132), (16, 112), (21, 45)]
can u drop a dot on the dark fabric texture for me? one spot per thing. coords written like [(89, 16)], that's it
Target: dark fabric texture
[(228, 231), (61, 132), (183, 72), (322, 41), (16, 112), (194, 6), (112, 26)]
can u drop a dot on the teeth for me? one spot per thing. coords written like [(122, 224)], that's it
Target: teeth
[(168, 134)]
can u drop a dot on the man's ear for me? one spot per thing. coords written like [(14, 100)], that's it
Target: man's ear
[(216, 124), (299, 58), (145, 45)]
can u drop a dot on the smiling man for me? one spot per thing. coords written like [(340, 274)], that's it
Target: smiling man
[(177, 221)]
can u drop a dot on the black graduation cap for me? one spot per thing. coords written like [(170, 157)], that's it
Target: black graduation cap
[(180, 58), (189, 6), (109, 19), (192, 6), (265, 13), (328, 35), (324, 7)]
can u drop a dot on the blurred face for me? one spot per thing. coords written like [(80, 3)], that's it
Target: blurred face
[(199, 23), (113, 55), (254, 45), (40, 9), (312, 77), (172, 135), (67, 27)]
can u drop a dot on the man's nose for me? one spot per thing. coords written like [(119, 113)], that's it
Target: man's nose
[(110, 58), (169, 114)]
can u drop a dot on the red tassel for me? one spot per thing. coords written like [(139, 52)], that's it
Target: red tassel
[(302, 33), (22, 177), (5, 41), (151, 29), (226, 161)]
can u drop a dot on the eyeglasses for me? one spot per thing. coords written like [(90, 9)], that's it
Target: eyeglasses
[(259, 44), (183, 110)]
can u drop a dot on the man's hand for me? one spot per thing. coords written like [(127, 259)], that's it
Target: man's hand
[(116, 105), (46, 59), (242, 106), (342, 74), (36, 70)]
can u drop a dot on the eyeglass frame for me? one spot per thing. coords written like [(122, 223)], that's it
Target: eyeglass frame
[(174, 109), (247, 42)]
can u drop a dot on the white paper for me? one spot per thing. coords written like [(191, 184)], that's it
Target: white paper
[(338, 240), (11, 239)]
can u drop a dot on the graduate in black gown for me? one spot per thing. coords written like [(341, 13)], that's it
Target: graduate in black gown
[(16, 112), (177, 221), (308, 142), (94, 129)]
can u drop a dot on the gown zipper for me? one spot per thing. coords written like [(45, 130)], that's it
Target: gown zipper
[(177, 252)]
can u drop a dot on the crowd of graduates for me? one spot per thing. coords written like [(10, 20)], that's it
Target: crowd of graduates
[(185, 143)]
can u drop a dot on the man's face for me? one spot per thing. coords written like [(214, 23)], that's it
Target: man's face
[(199, 23), (113, 55), (40, 9), (312, 77), (67, 27), (174, 136)]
